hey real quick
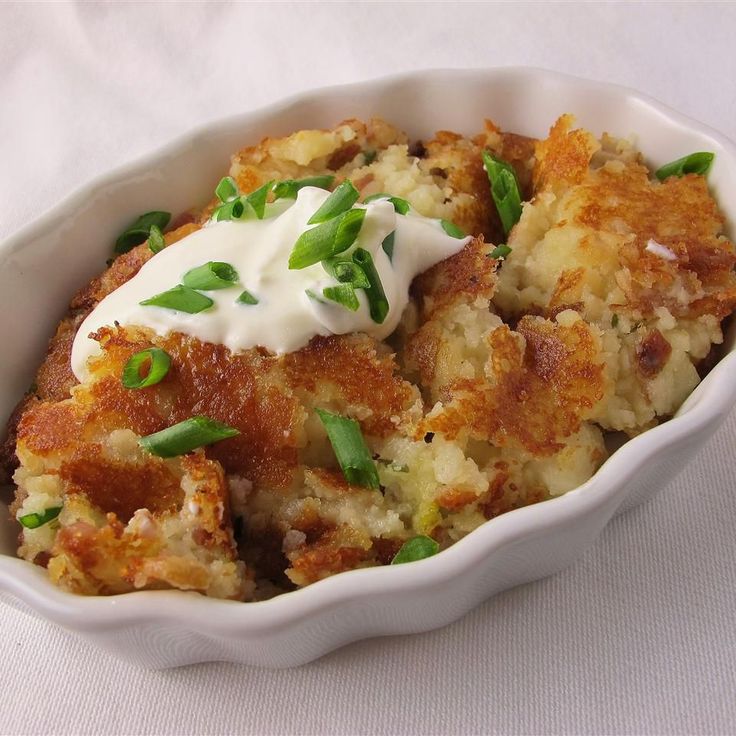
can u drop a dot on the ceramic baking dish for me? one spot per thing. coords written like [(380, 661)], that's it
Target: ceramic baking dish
[(66, 247)]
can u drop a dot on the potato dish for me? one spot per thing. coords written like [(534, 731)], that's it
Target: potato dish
[(585, 303)]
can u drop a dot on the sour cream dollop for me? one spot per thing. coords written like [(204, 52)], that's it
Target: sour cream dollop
[(285, 317)]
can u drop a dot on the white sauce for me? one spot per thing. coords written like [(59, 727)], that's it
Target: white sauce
[(285, 318)]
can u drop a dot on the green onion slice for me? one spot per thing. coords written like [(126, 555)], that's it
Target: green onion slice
[(288, 188), (369, 156), (350, 449), (181, 298), (341, 200), (400, 205), (326, 240), (388, 245), (416, 548), (227, 189), (186, 436), (33, 521), (247, 298), (139, 231), (346, 272), (452, 229), (377, 302), (257, 199), (158, 362), (695, 163), (211, 276), (156, 240), (504, 189), (499, 252), (344, 294), (235, 209)]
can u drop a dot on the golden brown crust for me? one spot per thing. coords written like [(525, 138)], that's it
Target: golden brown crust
[(537, 392), (464, 277), (564, 156), (349, 369)]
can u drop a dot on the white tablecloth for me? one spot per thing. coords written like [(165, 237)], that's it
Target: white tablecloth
[(637, 637)]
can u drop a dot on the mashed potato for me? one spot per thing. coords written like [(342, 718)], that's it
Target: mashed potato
[(494, 393)]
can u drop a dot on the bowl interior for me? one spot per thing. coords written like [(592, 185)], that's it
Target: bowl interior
[(45, 263)]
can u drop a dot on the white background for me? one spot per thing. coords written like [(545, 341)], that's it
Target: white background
[(640, 635)]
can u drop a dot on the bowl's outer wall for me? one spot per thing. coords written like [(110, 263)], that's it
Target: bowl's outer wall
[(69, 246)]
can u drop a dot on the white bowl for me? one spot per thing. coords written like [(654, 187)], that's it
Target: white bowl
[(65, 248)]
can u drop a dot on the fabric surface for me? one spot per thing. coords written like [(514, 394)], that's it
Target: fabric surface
[(639, 635)]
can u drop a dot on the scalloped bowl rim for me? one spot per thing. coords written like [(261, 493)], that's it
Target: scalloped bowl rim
[(705, 408)]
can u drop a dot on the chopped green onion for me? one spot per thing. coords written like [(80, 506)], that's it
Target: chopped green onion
[(35, 520), (288, 188), (369, 156), (182, 299), (139, 231), (186, 436), (416, 548), (352, 453), (238, 208), (235, 209), (326, 240), (377, 302), (695, 163), (400, 205), (257, 199), (500, 252), (156, 240), (504, 189), (247, 298), (614, 321), (344, 294), (341, 200), (159, 364), (388, 245), (452, 229), (227, 189), (346, 272), (211, 276)]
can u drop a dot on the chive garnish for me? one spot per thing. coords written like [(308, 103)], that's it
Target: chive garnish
[(186, 436), (227, 189), (238, 207), (326, 240), (504, 189), (182, 299), (614, 320), (416, 548), (288, 188), (500, 252), (211, 276), (139, 231), (369, 156), (352, 453), (247, 298), (344, 294), (695, 163), (257, 199), (156, 240), (452, 229), (341, 200), (377, 302), (388, 245), (346, 272), (400, 205), (35, 520), (158, 362)]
